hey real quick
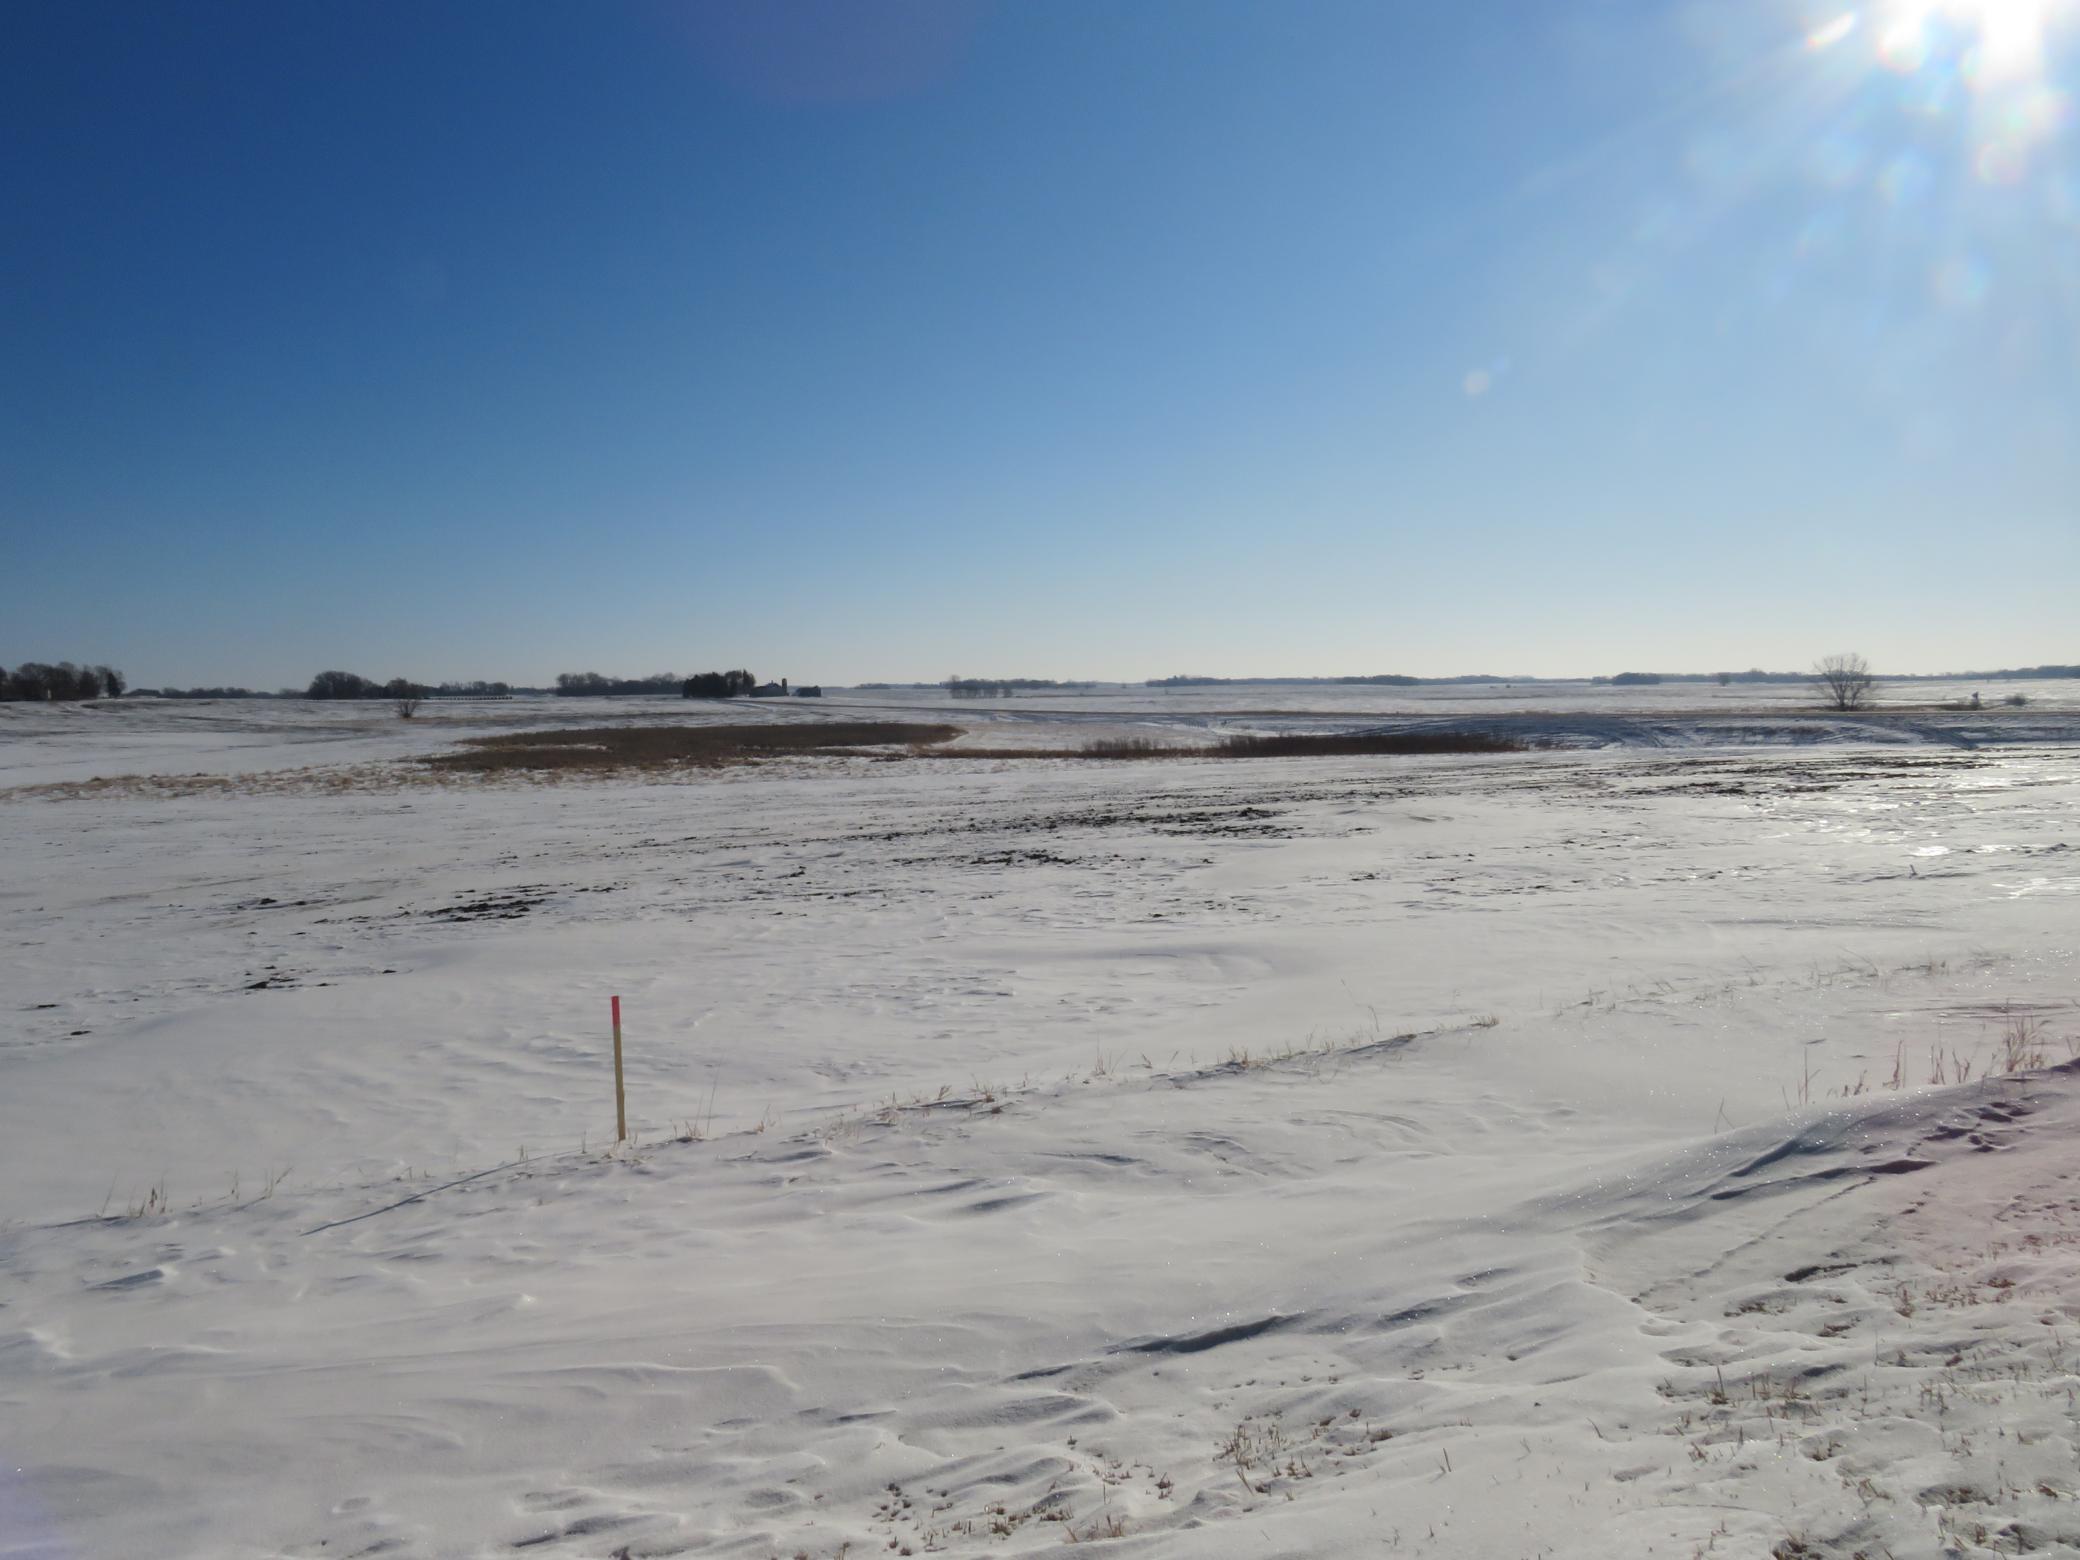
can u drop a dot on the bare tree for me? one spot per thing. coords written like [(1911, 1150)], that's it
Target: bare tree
[(405, 696), (1845, 679)]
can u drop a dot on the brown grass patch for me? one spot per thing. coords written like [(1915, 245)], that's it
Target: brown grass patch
[(604, 748)]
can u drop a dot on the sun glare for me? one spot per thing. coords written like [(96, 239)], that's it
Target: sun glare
[(1998, 53), (2004, 39), (2011, 34)]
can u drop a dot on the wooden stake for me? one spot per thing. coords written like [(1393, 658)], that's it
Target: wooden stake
[(620, 1095)]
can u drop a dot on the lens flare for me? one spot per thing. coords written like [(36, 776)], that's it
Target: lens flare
[(1906, 179), (2002, 160), (1962, 282), (1827, 35), (1992, 58), (2062, 201), (2042, 113), (1903, 47)]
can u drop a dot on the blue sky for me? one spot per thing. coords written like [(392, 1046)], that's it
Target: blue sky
[(1078, 338)]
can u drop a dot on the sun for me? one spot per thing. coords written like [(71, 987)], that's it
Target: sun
[(2006, 37), (2002, 40)]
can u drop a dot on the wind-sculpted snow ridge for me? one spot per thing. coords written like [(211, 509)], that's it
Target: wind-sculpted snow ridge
[(1871, 1326), (1244, 1317)]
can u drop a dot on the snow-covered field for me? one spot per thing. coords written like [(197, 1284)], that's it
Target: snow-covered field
[(1557, 1153)]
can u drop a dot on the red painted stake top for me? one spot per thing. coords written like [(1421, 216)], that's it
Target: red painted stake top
[(617, 1009)]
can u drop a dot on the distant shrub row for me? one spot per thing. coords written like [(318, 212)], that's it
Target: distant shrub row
[(34, 680)]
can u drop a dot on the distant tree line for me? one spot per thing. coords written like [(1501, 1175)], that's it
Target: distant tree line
[(347, 685), (1754, 674), (2025, 671), (405, 696), (1001, 687), (736, 684), (342, 685), (212, 693), (38, 681), (593, 685), (1021, 684), (1377, 679)]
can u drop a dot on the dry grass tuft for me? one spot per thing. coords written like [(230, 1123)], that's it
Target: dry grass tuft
[(2024, 1047), (1134, 747)]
